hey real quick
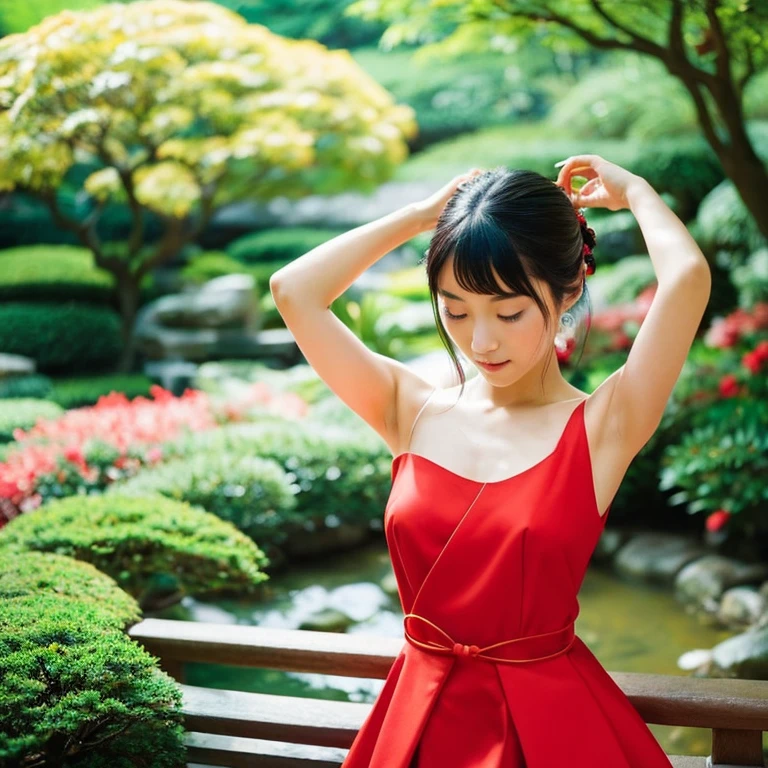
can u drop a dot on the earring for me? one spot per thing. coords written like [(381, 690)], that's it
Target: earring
[(566, 331)]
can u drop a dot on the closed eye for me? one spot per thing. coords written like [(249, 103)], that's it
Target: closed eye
[(507, 318)]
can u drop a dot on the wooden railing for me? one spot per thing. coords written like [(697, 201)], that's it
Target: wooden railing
[(234, 728)]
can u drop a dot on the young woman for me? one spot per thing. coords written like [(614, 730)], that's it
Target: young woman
[(500, 495)]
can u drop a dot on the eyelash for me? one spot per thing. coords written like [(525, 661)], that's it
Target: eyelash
[(507, 318)]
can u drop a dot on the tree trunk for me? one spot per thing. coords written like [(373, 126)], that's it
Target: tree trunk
[(745, 169), (128, 291)]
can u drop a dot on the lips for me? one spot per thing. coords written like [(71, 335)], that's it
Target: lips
[(492, 366)]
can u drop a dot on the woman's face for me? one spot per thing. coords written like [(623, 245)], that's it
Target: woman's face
[(492, 329)]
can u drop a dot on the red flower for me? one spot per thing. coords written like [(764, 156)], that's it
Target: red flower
[(717, 520), (752, 361), (729, 386), (761, 351)]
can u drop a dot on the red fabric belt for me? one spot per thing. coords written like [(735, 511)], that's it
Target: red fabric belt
[(518, 650)]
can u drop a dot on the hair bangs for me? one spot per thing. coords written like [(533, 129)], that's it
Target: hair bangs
[(485, 247)]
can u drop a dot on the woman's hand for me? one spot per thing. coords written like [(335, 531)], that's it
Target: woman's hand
[(606, 187), (429, 210)]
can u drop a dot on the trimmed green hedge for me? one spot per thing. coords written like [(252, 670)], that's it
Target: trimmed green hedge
[(86, 390), (251, 492), (61, 337), (28, 575), (149, 546), (23, 413), (28, 385), (76, 691), (53, 273), (275, 245)]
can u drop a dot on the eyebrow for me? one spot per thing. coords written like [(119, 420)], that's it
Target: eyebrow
[(499, 297)]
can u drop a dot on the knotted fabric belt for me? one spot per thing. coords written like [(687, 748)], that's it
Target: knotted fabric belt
[(518, 650)]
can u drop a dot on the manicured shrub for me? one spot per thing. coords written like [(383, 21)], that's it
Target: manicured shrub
[(337, 473), (26, 575), (251, 492), (30, 385), (149, 546), (53, 273), (86, 390), (61, 337), (24, 413), (725, 224), (278, 244), (76, 691)]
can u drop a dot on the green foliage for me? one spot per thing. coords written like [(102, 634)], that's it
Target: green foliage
[(27, 385), (147, 545), (23, 413), (251, 492), (78, 692), (725, 225), (622, 282), (19, 17), (635, 99), (686, 169), (282, 245), (61, 337), (337, 473), (86, 390), (464, 94), (236, 114), (452, 28), (321, 20), (721, 461), (29, 575), (53, 273), (751, 279)]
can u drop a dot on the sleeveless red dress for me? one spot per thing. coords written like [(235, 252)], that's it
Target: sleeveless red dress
[(491, 674)]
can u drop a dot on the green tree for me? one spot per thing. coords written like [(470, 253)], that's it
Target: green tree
[(714, 47), (181, 108)]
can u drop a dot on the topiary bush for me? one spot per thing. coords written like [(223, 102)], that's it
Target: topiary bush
[(53, 273), (77, 691), (253, 493), (155, 548), (338, 474), (725, 225), (30, 385), (26, 575), (23, 413), (279, 244), (86, 390), (61, 337)]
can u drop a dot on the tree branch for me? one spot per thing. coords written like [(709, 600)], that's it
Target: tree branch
[(722, 54), (643, 43)]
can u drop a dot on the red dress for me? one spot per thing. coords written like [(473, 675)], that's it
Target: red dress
[(478, 564)]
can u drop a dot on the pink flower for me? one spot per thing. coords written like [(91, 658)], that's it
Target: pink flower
[(729, 386), (154, 455), (717, 520)]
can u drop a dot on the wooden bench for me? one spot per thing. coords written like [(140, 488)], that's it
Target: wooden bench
[(235, 728)]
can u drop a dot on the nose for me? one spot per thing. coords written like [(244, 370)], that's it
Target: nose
[(482, 341)]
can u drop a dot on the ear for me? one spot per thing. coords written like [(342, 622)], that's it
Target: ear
[(570, 299)]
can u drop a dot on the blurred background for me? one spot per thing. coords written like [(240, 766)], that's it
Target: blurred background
[(160, 159)]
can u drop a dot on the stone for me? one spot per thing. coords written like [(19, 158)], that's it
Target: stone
[(743, 656), (16, 365), (657, 557), (224, 302), (703, 581), (327, 620), (741, 606)]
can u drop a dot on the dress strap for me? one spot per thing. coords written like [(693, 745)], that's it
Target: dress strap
[(424, 405)]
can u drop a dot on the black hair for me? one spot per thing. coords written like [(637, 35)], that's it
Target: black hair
[(521, 224)]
